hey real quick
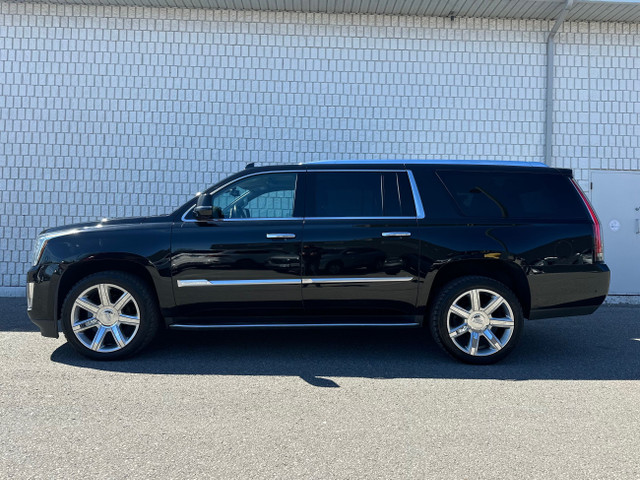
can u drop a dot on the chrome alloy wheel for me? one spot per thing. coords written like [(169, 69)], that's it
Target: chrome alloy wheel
[(105, 318), (480, 322)]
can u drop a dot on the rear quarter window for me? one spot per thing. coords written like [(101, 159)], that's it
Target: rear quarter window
[(547, 196)]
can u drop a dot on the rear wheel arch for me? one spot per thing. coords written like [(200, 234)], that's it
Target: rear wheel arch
[(507, 273)]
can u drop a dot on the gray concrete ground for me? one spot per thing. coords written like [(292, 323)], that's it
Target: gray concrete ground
[(324, 404)]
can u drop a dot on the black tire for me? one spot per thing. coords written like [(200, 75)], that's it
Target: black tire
[(493, 337), (107, 320)]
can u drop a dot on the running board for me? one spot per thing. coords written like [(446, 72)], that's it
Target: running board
[(180, 326)]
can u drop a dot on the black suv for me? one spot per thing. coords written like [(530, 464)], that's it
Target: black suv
[(467, 249)]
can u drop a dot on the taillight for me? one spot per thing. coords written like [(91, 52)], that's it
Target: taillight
[(598, 244)]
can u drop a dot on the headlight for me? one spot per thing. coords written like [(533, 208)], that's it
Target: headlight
[(38, 247), (42, 240)]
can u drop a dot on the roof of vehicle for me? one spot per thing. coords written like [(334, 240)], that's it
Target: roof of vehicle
[(402, 163), (497, 163)]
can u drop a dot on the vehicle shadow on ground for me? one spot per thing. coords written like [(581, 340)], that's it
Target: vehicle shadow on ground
[(13, 315), (604, 346)]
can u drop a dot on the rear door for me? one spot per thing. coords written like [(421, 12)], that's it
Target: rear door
[(360, 249)]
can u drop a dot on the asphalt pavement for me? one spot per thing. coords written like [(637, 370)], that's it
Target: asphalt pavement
[(344, 404)]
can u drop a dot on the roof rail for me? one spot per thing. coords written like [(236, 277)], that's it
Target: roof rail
[(503, 163)]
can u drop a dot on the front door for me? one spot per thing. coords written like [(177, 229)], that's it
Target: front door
[(247, 263), (360, 248)]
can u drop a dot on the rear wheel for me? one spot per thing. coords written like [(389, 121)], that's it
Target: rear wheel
[(476, 319), (110, 315)]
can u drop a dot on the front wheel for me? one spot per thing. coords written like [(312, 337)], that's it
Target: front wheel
[(476, 319), (110, 315)]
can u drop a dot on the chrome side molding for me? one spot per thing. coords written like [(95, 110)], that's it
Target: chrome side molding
[(182, 326), (232, 283), (314, 281), (293, 281), (281, 235)]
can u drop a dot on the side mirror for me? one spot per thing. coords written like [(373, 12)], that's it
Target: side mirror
[(204, 210)]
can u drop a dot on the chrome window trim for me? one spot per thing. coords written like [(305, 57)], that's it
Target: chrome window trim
[(193, 220), (293, 281), (417, 200), (412, 184), (369, 170), (257, 219), (360, 218)]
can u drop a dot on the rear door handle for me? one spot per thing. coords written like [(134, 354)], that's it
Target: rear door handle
[(281, 235), (396, 234)]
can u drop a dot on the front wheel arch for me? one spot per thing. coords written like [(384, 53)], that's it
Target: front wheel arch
[(77, 271), (110, 315)]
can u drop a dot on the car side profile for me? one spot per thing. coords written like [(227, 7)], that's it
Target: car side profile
[(465, 249)]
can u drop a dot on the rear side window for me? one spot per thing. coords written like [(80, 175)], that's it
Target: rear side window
[(513, 195), (358, 195)]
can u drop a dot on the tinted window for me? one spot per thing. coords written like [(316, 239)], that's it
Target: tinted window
[(397, 197), (269, 195), (514, 195), (359, 194), (344, 194)]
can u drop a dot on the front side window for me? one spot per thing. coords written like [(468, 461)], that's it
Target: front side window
[(358, 195), (270, 195)]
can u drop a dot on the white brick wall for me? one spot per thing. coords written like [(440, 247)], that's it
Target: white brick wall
[(597, 100), (117, 111)]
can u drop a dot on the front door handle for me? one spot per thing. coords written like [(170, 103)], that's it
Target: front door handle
[(396, 234), (281, 235)]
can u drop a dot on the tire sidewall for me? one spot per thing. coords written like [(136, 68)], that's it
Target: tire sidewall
[(445, 298), (140, 292)]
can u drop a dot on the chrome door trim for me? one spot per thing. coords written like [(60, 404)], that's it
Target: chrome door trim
[(396, 234), (316, 281), (304, 281), (281, 235), (234, 283), (181, 326)]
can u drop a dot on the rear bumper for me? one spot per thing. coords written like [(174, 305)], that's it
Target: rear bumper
[(563, 291), (42, 287)]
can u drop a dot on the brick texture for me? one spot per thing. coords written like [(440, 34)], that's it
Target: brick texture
[(121, 111)]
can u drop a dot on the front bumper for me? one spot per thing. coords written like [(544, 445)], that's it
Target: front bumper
[(42, 288)]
